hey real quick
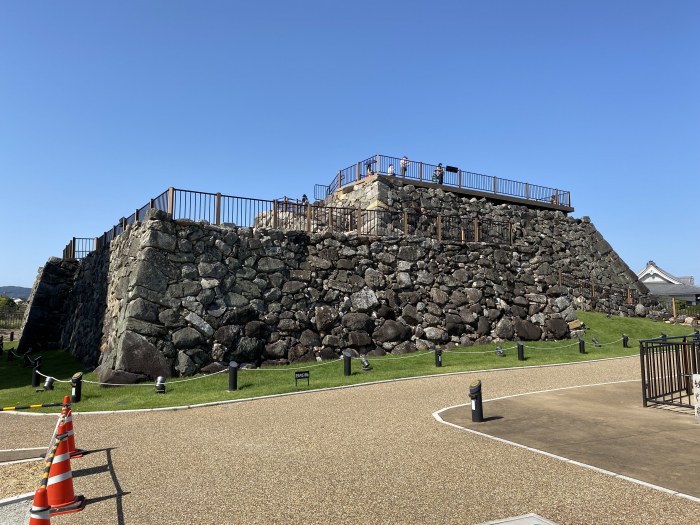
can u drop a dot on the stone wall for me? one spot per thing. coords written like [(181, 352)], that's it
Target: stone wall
[(175, 297), (46, 311)]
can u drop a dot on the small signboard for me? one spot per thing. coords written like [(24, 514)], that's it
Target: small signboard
[(696, 396), (304, 374)]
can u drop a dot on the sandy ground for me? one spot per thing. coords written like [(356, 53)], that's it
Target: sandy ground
[(372, 454)]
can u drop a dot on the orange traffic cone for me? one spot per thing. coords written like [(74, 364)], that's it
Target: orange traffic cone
[(39, 514), (74, 453), (62, 498)]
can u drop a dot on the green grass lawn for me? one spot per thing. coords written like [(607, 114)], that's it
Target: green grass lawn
[(15, 381)]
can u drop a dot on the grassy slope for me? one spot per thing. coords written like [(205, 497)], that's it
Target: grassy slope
[(15, 381)]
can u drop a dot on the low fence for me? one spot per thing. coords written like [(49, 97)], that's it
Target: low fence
[(612, 296), (668, 364), (677, 307), (453, 176)]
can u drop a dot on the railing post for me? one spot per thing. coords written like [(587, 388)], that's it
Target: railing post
[(559, 277), (217, 209), (358, 176), (330, 217), (152, 204), (527, 191), (308, 218), (405, 222), (95, 244), (275, 216), (556, 197), (171, 201), (439, 228), (72, 248), (358, 220), (459, 179), (340, 179), (379, 164), (495, 184), (592, 290), (420, 171), (673, 306), (476, 230), (114, 232)]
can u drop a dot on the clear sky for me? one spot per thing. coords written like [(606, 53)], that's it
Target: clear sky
[(103, 105)]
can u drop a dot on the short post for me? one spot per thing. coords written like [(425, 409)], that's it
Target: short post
[(160, 385), (48, 384), (347, 363), (35, 373), (232, 376), (438, 357), (475, 396), (439, 228), (2, 343), (76, 387), (340, 179), (625, 341), (420, 171), (663, 337), (521, 351), (217, 209), (275, 215), (12, 336), (459, 179), (581, 346)]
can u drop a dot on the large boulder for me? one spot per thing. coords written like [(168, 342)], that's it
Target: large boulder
[(187, 337), (358, 321), (558, 328), (364, 300), (391, 331), (504, 329), (527, 330), (326, 317), (248, 349)]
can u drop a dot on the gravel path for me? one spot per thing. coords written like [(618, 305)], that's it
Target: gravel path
[(372, 454)]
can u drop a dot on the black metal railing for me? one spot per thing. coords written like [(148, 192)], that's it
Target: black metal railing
[(454, 177), (668, 365)]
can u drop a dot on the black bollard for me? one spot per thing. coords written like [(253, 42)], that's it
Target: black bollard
[(76, 387), (35, 373), (582, 346), (2, 344), (12, 336), (521, 351), (347, 363), (625, 341), (232, 376), (475, 396), (438, 357)]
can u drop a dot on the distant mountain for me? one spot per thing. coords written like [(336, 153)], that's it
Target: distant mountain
[(16, 292)]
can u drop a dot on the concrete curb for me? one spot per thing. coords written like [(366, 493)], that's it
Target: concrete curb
[(16, 499)]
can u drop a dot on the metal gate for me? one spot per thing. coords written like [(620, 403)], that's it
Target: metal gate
[(668, 364)]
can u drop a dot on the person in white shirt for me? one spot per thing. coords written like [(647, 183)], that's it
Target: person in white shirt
[(390, 171)]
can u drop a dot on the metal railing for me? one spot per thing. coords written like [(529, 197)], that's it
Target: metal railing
[(232, 211), (668, 365), (455, 177)]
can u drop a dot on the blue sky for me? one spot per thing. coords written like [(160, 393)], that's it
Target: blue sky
[(105, 104)]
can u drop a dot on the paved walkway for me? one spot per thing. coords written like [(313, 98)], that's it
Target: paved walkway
[(372, 454), (604, 426)]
